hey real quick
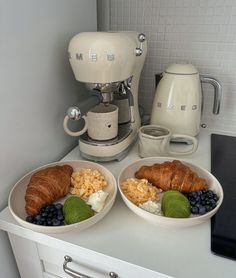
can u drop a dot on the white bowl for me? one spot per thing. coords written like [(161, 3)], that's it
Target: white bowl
[(16, 200), (129, 172)]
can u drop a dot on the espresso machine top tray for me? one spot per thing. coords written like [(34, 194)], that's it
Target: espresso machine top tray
[(223, 167)]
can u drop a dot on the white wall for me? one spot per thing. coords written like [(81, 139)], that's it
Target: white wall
[(201, 32), (36, 87)]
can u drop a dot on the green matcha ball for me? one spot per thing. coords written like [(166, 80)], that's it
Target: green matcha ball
[(75, 210), (175, 205)]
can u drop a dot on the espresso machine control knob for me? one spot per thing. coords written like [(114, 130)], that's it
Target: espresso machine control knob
[(139, 50), (74, 113)]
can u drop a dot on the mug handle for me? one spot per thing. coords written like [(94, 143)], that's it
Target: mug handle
[(76, 133), (191, 138)]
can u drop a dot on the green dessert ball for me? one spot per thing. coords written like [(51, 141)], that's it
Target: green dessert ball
[(75, 210), (175, 205)]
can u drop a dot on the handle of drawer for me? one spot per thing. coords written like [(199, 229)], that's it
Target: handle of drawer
[(76, 274)]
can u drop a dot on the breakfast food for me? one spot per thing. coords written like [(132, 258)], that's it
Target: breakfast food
[(86, 182), (49, 215), (47, 186), (75, 210), (172, 175), (139, 191), (202, 201), (181, 193), (152, 207), (175, 204), (97, 200)]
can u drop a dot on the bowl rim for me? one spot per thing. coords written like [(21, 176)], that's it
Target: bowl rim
[(67, 226), (178, 220)]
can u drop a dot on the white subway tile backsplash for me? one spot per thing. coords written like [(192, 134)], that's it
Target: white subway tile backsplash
[(201, 32)]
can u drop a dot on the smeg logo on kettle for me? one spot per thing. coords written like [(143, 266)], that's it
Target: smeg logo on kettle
[(173, 107)]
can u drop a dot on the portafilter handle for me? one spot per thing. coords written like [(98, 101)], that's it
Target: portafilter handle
[(217, 91)]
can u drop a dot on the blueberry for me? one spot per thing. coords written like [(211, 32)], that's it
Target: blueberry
[(50, 215), (42, 210), (39, 222), (202, 210), (60, 217), (202, 197), (195, 195), (29, 219), (56, 222), (38, 217), (43, 219), (49, 222), (47, 208), (58, 206), (198, 205), (199, 192), (44, 214), (194, 210)]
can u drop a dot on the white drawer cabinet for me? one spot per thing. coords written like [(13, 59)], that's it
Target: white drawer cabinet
[(38, 260)]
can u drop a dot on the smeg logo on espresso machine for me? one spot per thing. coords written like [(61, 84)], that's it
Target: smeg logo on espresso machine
[(92, 56)]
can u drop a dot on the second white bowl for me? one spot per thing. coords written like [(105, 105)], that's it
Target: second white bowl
[(129, 172)]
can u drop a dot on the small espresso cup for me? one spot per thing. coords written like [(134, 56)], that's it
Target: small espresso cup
[(154, 140)]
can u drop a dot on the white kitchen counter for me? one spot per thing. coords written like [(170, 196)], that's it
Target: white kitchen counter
[(182, 253)]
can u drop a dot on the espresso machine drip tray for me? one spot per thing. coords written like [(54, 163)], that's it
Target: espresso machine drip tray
[(124, 131), (223, 224)]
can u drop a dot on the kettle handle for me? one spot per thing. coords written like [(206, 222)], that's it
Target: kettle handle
[(217, 91)]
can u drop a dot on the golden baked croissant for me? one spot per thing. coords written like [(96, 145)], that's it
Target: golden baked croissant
[(172, 175), (47, 186)]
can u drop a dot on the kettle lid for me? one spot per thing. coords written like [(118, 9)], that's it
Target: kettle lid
[(181, 69)]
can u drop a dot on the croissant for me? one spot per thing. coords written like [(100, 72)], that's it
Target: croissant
[(172, 175), (47, 186)]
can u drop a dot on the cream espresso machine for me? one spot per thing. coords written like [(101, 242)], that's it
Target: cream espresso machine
[(110, 64)]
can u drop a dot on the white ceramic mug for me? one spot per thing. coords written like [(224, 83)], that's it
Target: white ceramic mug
[(101, 123), (154, 140)]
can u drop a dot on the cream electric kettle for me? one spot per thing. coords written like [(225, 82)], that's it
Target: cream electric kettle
[(178, 99)]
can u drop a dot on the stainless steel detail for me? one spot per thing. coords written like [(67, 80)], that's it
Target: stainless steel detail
[(139, 50), (132, 120), (107, 97), (203, 125), (72, 272), (217, 91), (104, 87), (113, 275), (141, 37), (74, 113), (77, 111), (77, 274)]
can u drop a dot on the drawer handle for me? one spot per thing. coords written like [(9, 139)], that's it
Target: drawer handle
[(76, 274)]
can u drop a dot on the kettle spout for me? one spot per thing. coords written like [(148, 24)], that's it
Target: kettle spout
[(217, 91)]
